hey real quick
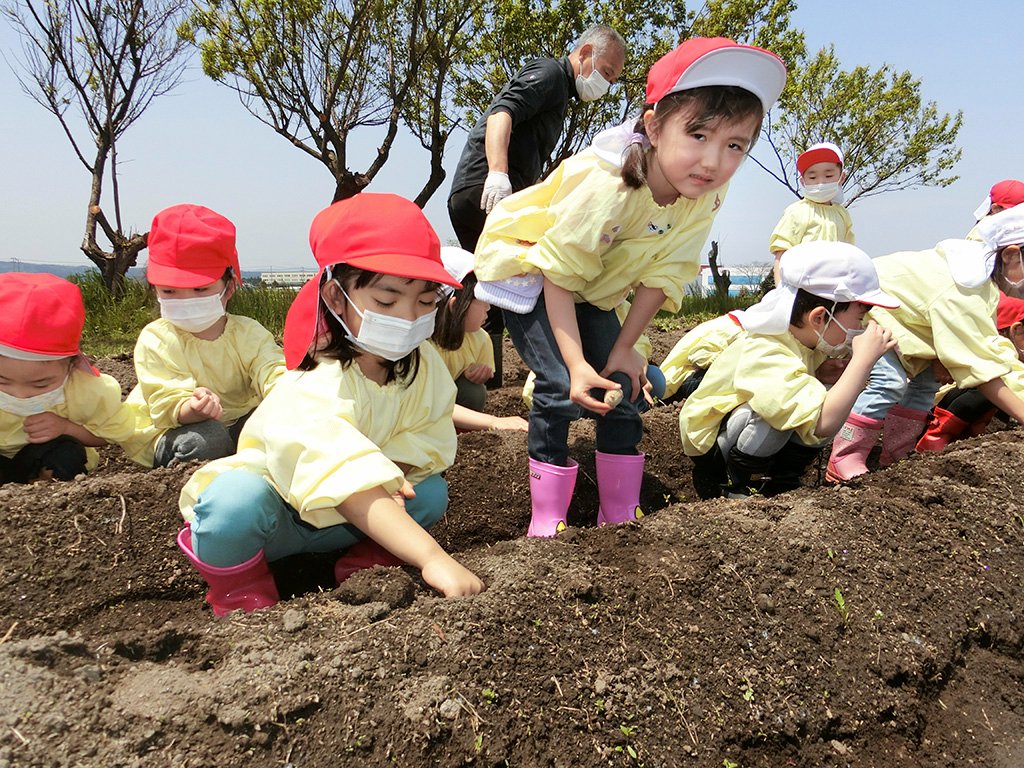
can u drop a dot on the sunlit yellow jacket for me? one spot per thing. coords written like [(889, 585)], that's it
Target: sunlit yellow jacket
[(805, 221), (698, 348)]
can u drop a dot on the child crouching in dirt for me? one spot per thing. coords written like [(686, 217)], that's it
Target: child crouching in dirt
[(629, 214), (201, 371), (761, 415), (946, 332), (347, 450), (55, 408), (466, 348), (963, 412)]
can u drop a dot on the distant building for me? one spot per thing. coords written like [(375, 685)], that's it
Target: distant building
[(291, 279), (745, 280)]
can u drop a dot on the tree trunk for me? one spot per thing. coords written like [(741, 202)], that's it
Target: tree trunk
[(722, 278), (348, 185)]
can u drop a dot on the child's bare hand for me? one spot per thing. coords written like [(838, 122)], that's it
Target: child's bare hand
[(941, 373), (581, 381), (206, 403), (511, 423), (478, 373), (631, 363), (44, 427), (451, 578), (873, 343), (405, 492)]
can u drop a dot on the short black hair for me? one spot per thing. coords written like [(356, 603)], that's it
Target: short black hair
[(806, 301)]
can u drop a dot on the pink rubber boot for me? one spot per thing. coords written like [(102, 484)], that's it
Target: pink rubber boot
[(618, 487), (900, 432), (247, 586), (551, 490), (360, 556), (850, 448)]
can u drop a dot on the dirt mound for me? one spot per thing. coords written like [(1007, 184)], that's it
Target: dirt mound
[(876, 624)]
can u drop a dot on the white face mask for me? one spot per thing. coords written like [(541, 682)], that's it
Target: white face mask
[(195, 314), (822, 193), (29, 406), (837, 351), (1012, 288), (593, 86), (383, 335)]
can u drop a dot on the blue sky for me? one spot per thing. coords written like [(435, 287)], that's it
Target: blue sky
[(199, 145)]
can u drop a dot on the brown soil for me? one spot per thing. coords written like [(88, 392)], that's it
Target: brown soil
[(877, 624)]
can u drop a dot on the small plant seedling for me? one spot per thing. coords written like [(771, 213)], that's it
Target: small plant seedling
[(478, 743), (490, 695), (840, 602), (727, 763)]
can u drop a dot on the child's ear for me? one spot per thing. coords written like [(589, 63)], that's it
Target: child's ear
[(330, 292), (817, 318), (229, 290), (1016, 334), (842, 177), (651, 127)]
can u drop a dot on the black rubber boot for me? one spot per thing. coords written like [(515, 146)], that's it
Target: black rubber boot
[(788, 467), (747, 474), (709, 474)]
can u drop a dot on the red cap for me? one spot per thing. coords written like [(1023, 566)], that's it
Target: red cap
[(43, 314), (1007, 193), (190, 246), (825, 152), (703, 61), (376, 232), (1009, 311)]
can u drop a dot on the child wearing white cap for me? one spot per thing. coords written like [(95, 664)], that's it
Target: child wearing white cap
[(760, 415), (946, 329), (1002, 196), (629, 214), (466, 348), (819, 214)]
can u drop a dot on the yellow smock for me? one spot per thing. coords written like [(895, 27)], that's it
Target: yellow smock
[(93, 402), (322, 435), (698, 348), (939, 319), (774, 375), (240, 366), (476, 348), (590, 234), (805, 221)]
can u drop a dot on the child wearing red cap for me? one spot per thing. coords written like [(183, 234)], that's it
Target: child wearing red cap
[(760, 415), (55, 408), (629, 214), (348, 449), (201, 371), (819, 214), (947, 334), (1004, 195), (966, 412), (466, 348)]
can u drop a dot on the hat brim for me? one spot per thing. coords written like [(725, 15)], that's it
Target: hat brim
[(753, 69), (815, 156), (879, 298), (403, 265), (180, 277)]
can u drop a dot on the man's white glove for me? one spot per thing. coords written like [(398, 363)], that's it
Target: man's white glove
[(496, 187)]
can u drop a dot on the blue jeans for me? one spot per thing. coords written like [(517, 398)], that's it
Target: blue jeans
[(889, 385), (240, 513), (548, 439)]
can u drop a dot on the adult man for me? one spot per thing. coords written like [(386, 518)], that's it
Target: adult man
[(507, 149)]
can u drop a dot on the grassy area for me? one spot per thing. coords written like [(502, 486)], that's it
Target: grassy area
[(112, 326)]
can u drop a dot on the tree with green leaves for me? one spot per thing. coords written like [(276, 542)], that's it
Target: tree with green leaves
[(105, 60), (891, 138), (315, 71)]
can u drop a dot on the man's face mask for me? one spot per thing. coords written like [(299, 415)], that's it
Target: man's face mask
[(593, 86)]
